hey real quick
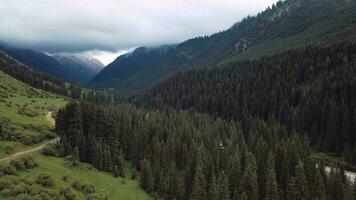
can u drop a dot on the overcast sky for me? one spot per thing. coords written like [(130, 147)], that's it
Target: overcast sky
[(107, 28)]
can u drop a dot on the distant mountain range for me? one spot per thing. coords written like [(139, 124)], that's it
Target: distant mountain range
[(78, 69), (291, 24)]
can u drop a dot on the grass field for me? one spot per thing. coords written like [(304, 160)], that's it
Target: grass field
[(23, 111), (15, 95), (113, 188)]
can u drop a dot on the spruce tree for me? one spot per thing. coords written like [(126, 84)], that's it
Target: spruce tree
[(318, 191), (146, 177), (121, 166), (301, 183), (223, 187), (199, 185), (75, 157), (213, 189), (116, 171), (249, 185), (271, 188)]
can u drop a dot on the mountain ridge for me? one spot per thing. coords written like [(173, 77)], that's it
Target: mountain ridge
[(306, 22)]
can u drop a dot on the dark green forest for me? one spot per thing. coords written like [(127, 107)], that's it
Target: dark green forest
[(185, 155), (309, 91)]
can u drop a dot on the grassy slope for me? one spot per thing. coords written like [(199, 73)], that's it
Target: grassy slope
[(15, 94), (105, 183), (20, 94)]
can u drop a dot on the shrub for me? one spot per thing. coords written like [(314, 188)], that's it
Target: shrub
[(45, 180), (49, 150), (5, 183), (96, 196), (29, 162), (7, 169), (84, 188), (67, 193), (8, 149), (19, 164), (27, 112), (65, 178)]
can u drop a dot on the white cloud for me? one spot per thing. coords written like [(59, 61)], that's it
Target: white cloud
[(84, 25), (106, 57)]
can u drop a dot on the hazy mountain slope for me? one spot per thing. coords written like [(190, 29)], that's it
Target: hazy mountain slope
[(67, 69), (292, 24), (88, 67)]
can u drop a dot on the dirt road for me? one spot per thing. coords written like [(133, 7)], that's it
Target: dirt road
[(21, 153)]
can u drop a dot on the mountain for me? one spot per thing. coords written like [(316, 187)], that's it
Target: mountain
[(71, 68), (287, 25), (310, 91), (87, 66)]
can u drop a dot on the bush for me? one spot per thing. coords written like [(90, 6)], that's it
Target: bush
[(8, 149), (7, 169), (29, 162), (65, 178), (96, 196), (27, 112), (49, 150), (67, 193), (5, 183), (18, 164), (45, 180), (84, 188)]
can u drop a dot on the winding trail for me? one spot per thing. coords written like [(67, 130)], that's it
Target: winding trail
[(37, 148)]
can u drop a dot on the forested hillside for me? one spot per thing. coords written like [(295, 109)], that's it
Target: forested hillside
[(184, 155), (310, 91), (61, 67), (287, 25)]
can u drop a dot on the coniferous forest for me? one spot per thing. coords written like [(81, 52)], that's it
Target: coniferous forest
[(264, 110), (185, 155), (309, 91)]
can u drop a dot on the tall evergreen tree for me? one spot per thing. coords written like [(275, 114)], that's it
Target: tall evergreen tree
[(199, 185), (271, 184), (301, 183), (249, 185), (223, 187)]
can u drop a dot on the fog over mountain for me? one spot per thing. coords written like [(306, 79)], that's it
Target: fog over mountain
[(111, 26)]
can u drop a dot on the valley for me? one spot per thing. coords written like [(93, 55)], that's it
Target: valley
[(263, 110)]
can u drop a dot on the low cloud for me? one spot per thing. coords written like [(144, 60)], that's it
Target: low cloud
[(111, 25)]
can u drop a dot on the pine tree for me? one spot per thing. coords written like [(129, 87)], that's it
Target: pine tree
[(116, 172), (213, 189), (74, 129), (121, 166), (172, 181), (249, 185), (347, 153), (291, 190), (271, 187), (199, 185), (75, 154), (335, 186), (223, 187), (146, 177), (318, 191), (235, 172), (75, 157), (301, 183)]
